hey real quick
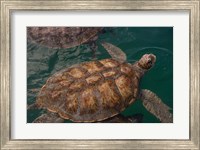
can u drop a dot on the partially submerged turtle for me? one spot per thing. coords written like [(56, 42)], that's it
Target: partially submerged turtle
[(136, 118), (97, 90), (62, 37), (51, 117)]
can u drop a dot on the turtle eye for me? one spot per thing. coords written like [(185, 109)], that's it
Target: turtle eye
[(149, 62)]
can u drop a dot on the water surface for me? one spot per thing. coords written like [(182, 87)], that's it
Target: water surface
[(42, 62)]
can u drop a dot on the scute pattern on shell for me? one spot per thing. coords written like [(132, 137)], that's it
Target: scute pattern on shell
[(91, 91), (61, 37)]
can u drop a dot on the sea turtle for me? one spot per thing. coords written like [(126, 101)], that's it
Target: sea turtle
[(97, 90), (51, 117), (62, 37), (136, 118)]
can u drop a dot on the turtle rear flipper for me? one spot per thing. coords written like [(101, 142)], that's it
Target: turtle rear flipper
[(114, 51), (49, 117), (155, 106), (34, 106)]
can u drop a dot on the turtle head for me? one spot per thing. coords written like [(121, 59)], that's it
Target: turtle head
[(147, 61)]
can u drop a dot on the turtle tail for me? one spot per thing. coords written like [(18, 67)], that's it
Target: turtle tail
[(136, 118)]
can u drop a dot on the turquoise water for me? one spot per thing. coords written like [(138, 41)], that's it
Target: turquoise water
[(42, 62)]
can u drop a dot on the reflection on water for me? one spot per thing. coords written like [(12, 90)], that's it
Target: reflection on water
[(42, 62)]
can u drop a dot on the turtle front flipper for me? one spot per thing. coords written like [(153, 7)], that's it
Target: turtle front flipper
[(155, 106), (49, 117), (114, 51)]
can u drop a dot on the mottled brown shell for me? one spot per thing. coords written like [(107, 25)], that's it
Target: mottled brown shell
[(91, 91), (61, 37)]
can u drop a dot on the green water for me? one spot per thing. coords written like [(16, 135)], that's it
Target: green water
[(42, 62)]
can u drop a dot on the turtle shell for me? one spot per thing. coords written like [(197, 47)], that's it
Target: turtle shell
[(90, 91), (61, 37)]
